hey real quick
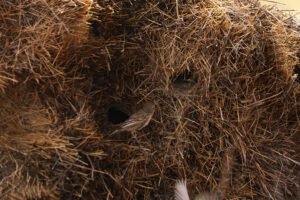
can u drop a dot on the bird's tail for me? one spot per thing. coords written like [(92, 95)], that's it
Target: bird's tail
[(115, 132), (181, 192)]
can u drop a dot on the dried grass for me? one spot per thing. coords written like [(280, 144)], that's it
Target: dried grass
[(38, 37), (220, 72), (45, 120)]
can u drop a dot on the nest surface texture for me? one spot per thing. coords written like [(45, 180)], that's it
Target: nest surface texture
[(222, 76)]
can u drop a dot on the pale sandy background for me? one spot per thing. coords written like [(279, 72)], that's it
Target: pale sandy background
[(287, 5)]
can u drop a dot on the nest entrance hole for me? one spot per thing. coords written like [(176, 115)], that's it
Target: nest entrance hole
[(116, 115), (184, 76)]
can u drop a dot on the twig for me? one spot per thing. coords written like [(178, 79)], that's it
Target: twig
[(64, 25)]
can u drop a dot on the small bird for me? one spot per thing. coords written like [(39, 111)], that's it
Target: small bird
[(181, 193), (137, 120)]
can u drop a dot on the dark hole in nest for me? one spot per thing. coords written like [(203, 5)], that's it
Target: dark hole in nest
[(116, 116), (183, 82), (184, 76)]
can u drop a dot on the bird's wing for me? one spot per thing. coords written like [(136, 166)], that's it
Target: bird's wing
[(181, 192), (128, 123), (134, 119)]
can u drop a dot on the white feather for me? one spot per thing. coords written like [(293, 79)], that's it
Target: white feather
[(129, 123), (181, 192)]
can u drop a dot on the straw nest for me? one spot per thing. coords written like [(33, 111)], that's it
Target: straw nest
[(223, 76)]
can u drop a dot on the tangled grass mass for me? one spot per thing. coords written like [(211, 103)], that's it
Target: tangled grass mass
[(223, 76)]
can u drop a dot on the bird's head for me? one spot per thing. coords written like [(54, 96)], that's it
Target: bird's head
[(149, 107)]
